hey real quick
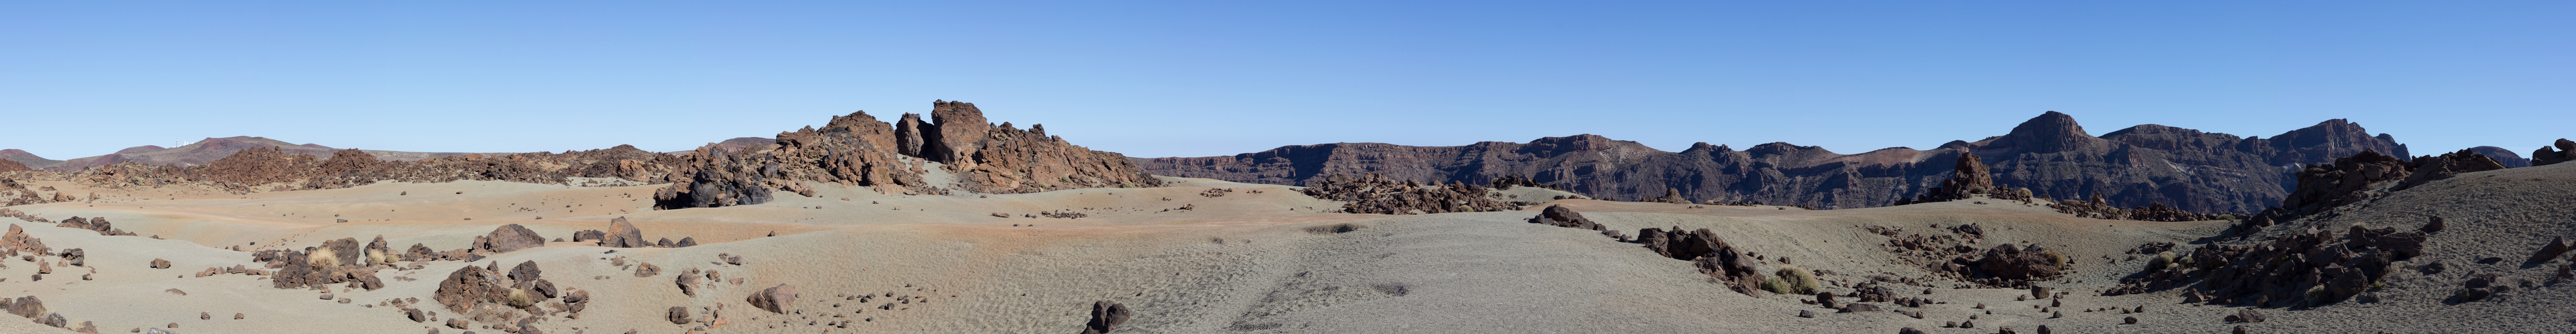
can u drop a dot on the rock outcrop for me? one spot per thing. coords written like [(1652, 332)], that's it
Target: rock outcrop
[(621, 234), (859, 150), (1379, 195), (508, 238), (2283, 271), (1105, 317), (2050, 155), (97, 224), (2544, 156), (1714, 257)]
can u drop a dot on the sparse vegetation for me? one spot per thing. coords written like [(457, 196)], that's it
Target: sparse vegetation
[(2161, 261), (1797, 280)]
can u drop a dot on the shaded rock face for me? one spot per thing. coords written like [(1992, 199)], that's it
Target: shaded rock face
[(859, 150), (1378, 195), (2544, 156), (509, 238), (2186, 169), (1105, 317)]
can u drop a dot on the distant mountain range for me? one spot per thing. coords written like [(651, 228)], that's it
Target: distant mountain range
[(2050, 154), (198, 153)]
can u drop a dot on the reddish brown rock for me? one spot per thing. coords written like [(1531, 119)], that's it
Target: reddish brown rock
[(509, 238), (1378, 195), (2557, 246), (468, 288), (777, 299), (622, 234)]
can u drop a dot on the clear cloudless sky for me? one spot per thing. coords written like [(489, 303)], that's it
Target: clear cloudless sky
[(1204, 78)]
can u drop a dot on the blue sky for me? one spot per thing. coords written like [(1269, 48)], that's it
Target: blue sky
[(1200, 78)]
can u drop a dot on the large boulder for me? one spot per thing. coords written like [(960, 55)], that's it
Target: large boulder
[(2556, 247), (622, 234), (469, 288), (775, 299), (1560, 216), (509, 238)]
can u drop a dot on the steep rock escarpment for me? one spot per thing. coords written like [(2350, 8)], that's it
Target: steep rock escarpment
[(2050, 154), (859, 150)]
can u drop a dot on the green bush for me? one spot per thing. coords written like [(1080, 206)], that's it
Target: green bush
[(2054, 259), (1798, 279), (2161, 261), (1775, 285)]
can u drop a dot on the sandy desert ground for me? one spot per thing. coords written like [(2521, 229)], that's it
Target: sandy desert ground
[(1258, 259)]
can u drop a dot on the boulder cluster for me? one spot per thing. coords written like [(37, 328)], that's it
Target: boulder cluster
[(2007, 265), (2154, 212), (13, 193), (97, 224), (1560, 216), (2308, 268), (334, 262), (2358, 178), (34, 309), (622, 234), (1379, 195), (488, 290), (859, 150), (2544, 156)]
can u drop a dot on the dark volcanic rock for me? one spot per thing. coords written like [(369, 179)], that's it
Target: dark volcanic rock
[(2544, 156), (1560, 216), (1105, 317), (1378, 195), (468, 288), (2186, 169), (2556, 247), (1711, 255)]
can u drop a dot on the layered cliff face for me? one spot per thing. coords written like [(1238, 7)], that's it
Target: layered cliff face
[(860, 150), (2050, 154)]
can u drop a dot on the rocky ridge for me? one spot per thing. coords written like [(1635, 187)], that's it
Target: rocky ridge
[(2051, 155), (860, 150)]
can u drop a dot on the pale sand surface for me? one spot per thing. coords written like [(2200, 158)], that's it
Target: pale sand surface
[(1268, 262)]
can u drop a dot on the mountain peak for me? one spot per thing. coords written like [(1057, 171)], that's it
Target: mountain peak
[(2050, 132)]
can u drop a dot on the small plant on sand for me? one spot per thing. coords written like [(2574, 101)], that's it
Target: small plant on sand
[(376, 257), (1798, 280), (520, 298), (322, 258), (2054, 259), (2162, 260), (1775, 285)]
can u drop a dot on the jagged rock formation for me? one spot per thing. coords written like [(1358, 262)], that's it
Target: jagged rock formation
[(1379, 195), (1969, 178), (2545, 156), (859, 150), (2051, 155)]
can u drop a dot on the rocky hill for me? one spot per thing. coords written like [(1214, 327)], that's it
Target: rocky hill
[(2050, 154), (957, 149), (2503, 155), (200, 153)]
